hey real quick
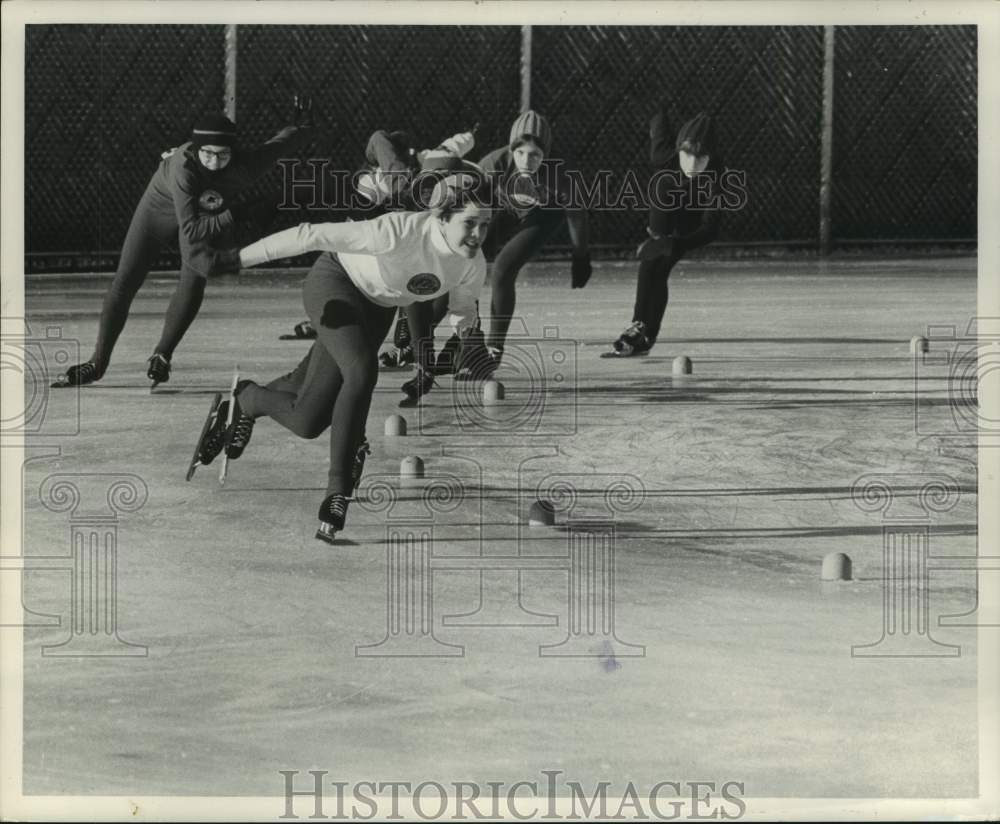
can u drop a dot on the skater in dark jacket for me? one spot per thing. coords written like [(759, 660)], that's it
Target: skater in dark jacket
[(684, 215), (191, 199)]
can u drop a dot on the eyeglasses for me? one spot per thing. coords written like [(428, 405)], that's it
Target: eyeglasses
[(225, 154)]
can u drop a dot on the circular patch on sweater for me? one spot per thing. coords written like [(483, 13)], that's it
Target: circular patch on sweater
[(210, 200), (423, 284)]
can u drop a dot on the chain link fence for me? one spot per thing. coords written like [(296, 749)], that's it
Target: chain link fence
[(102, 102)]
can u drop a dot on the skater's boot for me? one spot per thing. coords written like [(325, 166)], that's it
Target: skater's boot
[(633, 341), (401, 337), (239, 431), (478, 361), (214, 439), (445, 363), (79, 375), (158, 370), (364, 450), (332, 515)]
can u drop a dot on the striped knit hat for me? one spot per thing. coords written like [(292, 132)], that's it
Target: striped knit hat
[(697, 136), (214, 130), (531, 126)]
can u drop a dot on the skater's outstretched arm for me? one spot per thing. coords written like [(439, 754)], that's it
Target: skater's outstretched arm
[(288, 140), (291, 138), (370, 237)]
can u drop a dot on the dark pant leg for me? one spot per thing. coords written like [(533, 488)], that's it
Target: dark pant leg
[(182, 310), (147, 234), (439, 309), (527, 242), (341, 372), (419, 317), (652, 293)]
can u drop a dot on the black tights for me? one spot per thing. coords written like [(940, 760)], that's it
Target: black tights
[(652, 293)]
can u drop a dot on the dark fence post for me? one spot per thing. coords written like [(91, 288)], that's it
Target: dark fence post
[(826, 146), (230, 84), (525, 68)]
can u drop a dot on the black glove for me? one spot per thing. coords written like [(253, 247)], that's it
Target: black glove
[(581, 269), (302, 111), (419, 384)]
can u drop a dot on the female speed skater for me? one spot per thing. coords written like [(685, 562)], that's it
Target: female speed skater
[(192, 198), (385, 183), (367, 270)]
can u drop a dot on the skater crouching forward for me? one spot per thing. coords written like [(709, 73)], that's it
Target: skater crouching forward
[(351, 294), (192, 199)]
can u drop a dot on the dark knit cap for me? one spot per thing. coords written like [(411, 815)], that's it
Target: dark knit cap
[(214, 130), (697, 135)]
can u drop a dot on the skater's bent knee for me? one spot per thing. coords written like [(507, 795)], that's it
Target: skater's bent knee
[(311, 429)]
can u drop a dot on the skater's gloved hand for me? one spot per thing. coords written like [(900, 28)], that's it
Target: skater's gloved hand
[(656, 245), (419, 384), (581, 269), (302, 111), (168, 153)]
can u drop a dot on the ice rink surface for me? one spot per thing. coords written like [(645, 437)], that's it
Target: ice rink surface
[(728, 658)]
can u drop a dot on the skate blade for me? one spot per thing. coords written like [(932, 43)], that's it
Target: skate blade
[(224, 466), (326, 533), (614, 354), (209, 420)]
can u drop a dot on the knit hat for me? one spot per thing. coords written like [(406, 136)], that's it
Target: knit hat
[(213, 130), (531, 126), (697, 136)]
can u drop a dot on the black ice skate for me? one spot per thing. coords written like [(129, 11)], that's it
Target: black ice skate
[(241, 428), (212, 438), (158, 370), (332, 515), (397, 358), (301, 331), (79, 375), (478, 361), (631, 343)]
